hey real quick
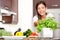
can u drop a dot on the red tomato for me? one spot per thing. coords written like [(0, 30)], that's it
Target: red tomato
[(33, 34)]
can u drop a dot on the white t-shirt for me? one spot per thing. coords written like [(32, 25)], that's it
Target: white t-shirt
[(35, 18)]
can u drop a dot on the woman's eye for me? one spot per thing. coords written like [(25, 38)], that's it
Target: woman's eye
[(42, 7), (38, 8)]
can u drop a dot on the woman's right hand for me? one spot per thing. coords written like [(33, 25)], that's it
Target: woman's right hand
[(35, 24)]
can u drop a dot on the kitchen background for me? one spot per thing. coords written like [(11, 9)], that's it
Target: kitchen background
[(25, 16)]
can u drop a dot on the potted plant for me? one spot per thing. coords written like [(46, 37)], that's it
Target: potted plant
[(47, 26)]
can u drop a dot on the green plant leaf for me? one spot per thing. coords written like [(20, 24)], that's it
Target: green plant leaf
[(46, 23)]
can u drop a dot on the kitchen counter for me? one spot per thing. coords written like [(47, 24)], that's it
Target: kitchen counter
[(20, 38), (24, 38), (12, 37)]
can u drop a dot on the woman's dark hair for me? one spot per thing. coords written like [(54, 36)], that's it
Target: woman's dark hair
[(40, 2)]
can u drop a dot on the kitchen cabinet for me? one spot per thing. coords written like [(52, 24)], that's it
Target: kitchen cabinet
[(52, 3), (6, 4), (3, 2), (9, 7), (7, 19), (15, 9)]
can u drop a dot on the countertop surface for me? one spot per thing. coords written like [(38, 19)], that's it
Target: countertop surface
[(13, 37), (21, 37)]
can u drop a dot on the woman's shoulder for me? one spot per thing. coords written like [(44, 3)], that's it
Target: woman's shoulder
[(49, 15), (35, 18)]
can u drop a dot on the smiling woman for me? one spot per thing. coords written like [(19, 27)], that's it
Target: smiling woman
[(41, 13)]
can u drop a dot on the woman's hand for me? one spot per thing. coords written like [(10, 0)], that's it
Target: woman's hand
[(35, 24)]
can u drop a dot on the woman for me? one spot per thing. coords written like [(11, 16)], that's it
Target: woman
[(41, 12)]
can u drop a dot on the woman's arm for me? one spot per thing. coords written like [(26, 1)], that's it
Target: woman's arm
[(35, 20)]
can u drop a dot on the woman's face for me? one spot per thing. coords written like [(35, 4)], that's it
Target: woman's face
[(41, 9)]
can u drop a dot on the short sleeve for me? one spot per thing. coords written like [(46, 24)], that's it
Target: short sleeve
[(35, 18)]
